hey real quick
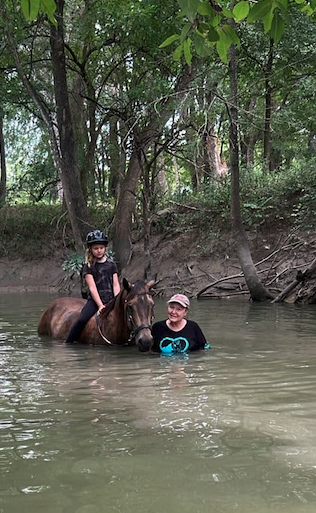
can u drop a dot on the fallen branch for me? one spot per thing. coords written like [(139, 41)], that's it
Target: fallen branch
[(226, 278), (300, 277)]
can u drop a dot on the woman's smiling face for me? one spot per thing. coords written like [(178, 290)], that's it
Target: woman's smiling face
[(176, 312)]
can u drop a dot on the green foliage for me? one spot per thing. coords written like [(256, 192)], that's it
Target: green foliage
[(32, 8), (40, 231), (73, 264), (32, 231)]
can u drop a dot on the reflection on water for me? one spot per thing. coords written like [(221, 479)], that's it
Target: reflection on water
[(88, 430)]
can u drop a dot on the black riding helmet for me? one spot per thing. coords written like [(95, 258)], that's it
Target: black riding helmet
[(96, 237)]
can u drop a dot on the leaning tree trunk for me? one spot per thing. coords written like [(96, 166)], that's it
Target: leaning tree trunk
[(257, 291), (122, 243), (75, 201)]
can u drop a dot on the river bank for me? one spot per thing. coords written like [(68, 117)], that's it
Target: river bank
[(183, 262)]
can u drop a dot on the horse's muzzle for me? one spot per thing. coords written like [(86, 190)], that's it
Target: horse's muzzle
[(144, 340)]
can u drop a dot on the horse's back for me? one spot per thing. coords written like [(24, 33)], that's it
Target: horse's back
[(59, 317)]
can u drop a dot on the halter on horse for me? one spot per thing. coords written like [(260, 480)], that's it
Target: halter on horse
[(126, 320)]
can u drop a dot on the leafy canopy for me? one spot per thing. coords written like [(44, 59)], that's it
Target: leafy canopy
[(210, 25)]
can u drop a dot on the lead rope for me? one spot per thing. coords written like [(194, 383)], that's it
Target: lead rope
[(100, 332)]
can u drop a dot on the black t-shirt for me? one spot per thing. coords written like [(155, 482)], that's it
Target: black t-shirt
[(103, 277), (167, 341)]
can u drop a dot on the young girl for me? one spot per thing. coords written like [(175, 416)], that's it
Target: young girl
[(101, 276)]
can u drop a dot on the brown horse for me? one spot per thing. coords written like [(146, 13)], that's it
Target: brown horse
[(125, 320)]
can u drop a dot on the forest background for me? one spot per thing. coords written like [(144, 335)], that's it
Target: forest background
[(185, 129)]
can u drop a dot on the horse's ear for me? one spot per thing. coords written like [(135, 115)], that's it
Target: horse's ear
[(127, 286), (150, 284)]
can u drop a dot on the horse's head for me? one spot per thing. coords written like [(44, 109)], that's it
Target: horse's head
[(139, 307)]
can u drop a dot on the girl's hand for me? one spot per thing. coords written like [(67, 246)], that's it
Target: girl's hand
[(100, 309)]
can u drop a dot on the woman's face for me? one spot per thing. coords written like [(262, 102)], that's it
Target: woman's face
[(176, 312), (98, 250)]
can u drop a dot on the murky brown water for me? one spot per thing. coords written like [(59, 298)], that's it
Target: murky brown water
[(90, 430)]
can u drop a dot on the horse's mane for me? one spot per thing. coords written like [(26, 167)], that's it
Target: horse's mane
[(139, 287)]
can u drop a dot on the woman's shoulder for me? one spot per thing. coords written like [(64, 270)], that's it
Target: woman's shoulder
[(192, 323)]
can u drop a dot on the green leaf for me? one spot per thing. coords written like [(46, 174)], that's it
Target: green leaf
[(300, 1), (277, 28), (212, 34), (49, 8), (189, 7), (169, 40), (283, 6), (178, 53), (231, 34), (222, 50), (215, 21), (267, 22), (241, 11), (205, 9), (308, 10), (187, 51), (259, 10), (30, 9), (201, 47), (184, 32), (227, 13), (203, 27)]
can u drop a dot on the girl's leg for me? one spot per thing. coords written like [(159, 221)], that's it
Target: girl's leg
[(87, 312)]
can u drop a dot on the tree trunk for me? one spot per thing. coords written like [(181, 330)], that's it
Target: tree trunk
[(75, 202), (256, 289), (3, 168), (62, 143), (122, 240)]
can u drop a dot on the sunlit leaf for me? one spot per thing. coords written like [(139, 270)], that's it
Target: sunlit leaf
[(309, 11), (215, 21), (222, 51), (178, 53), (267, 22), (187, 51), (227, 13), (169, 40), (241, 11), (30, 8)]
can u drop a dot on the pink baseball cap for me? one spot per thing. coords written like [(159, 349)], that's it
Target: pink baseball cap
[(181, 299)]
